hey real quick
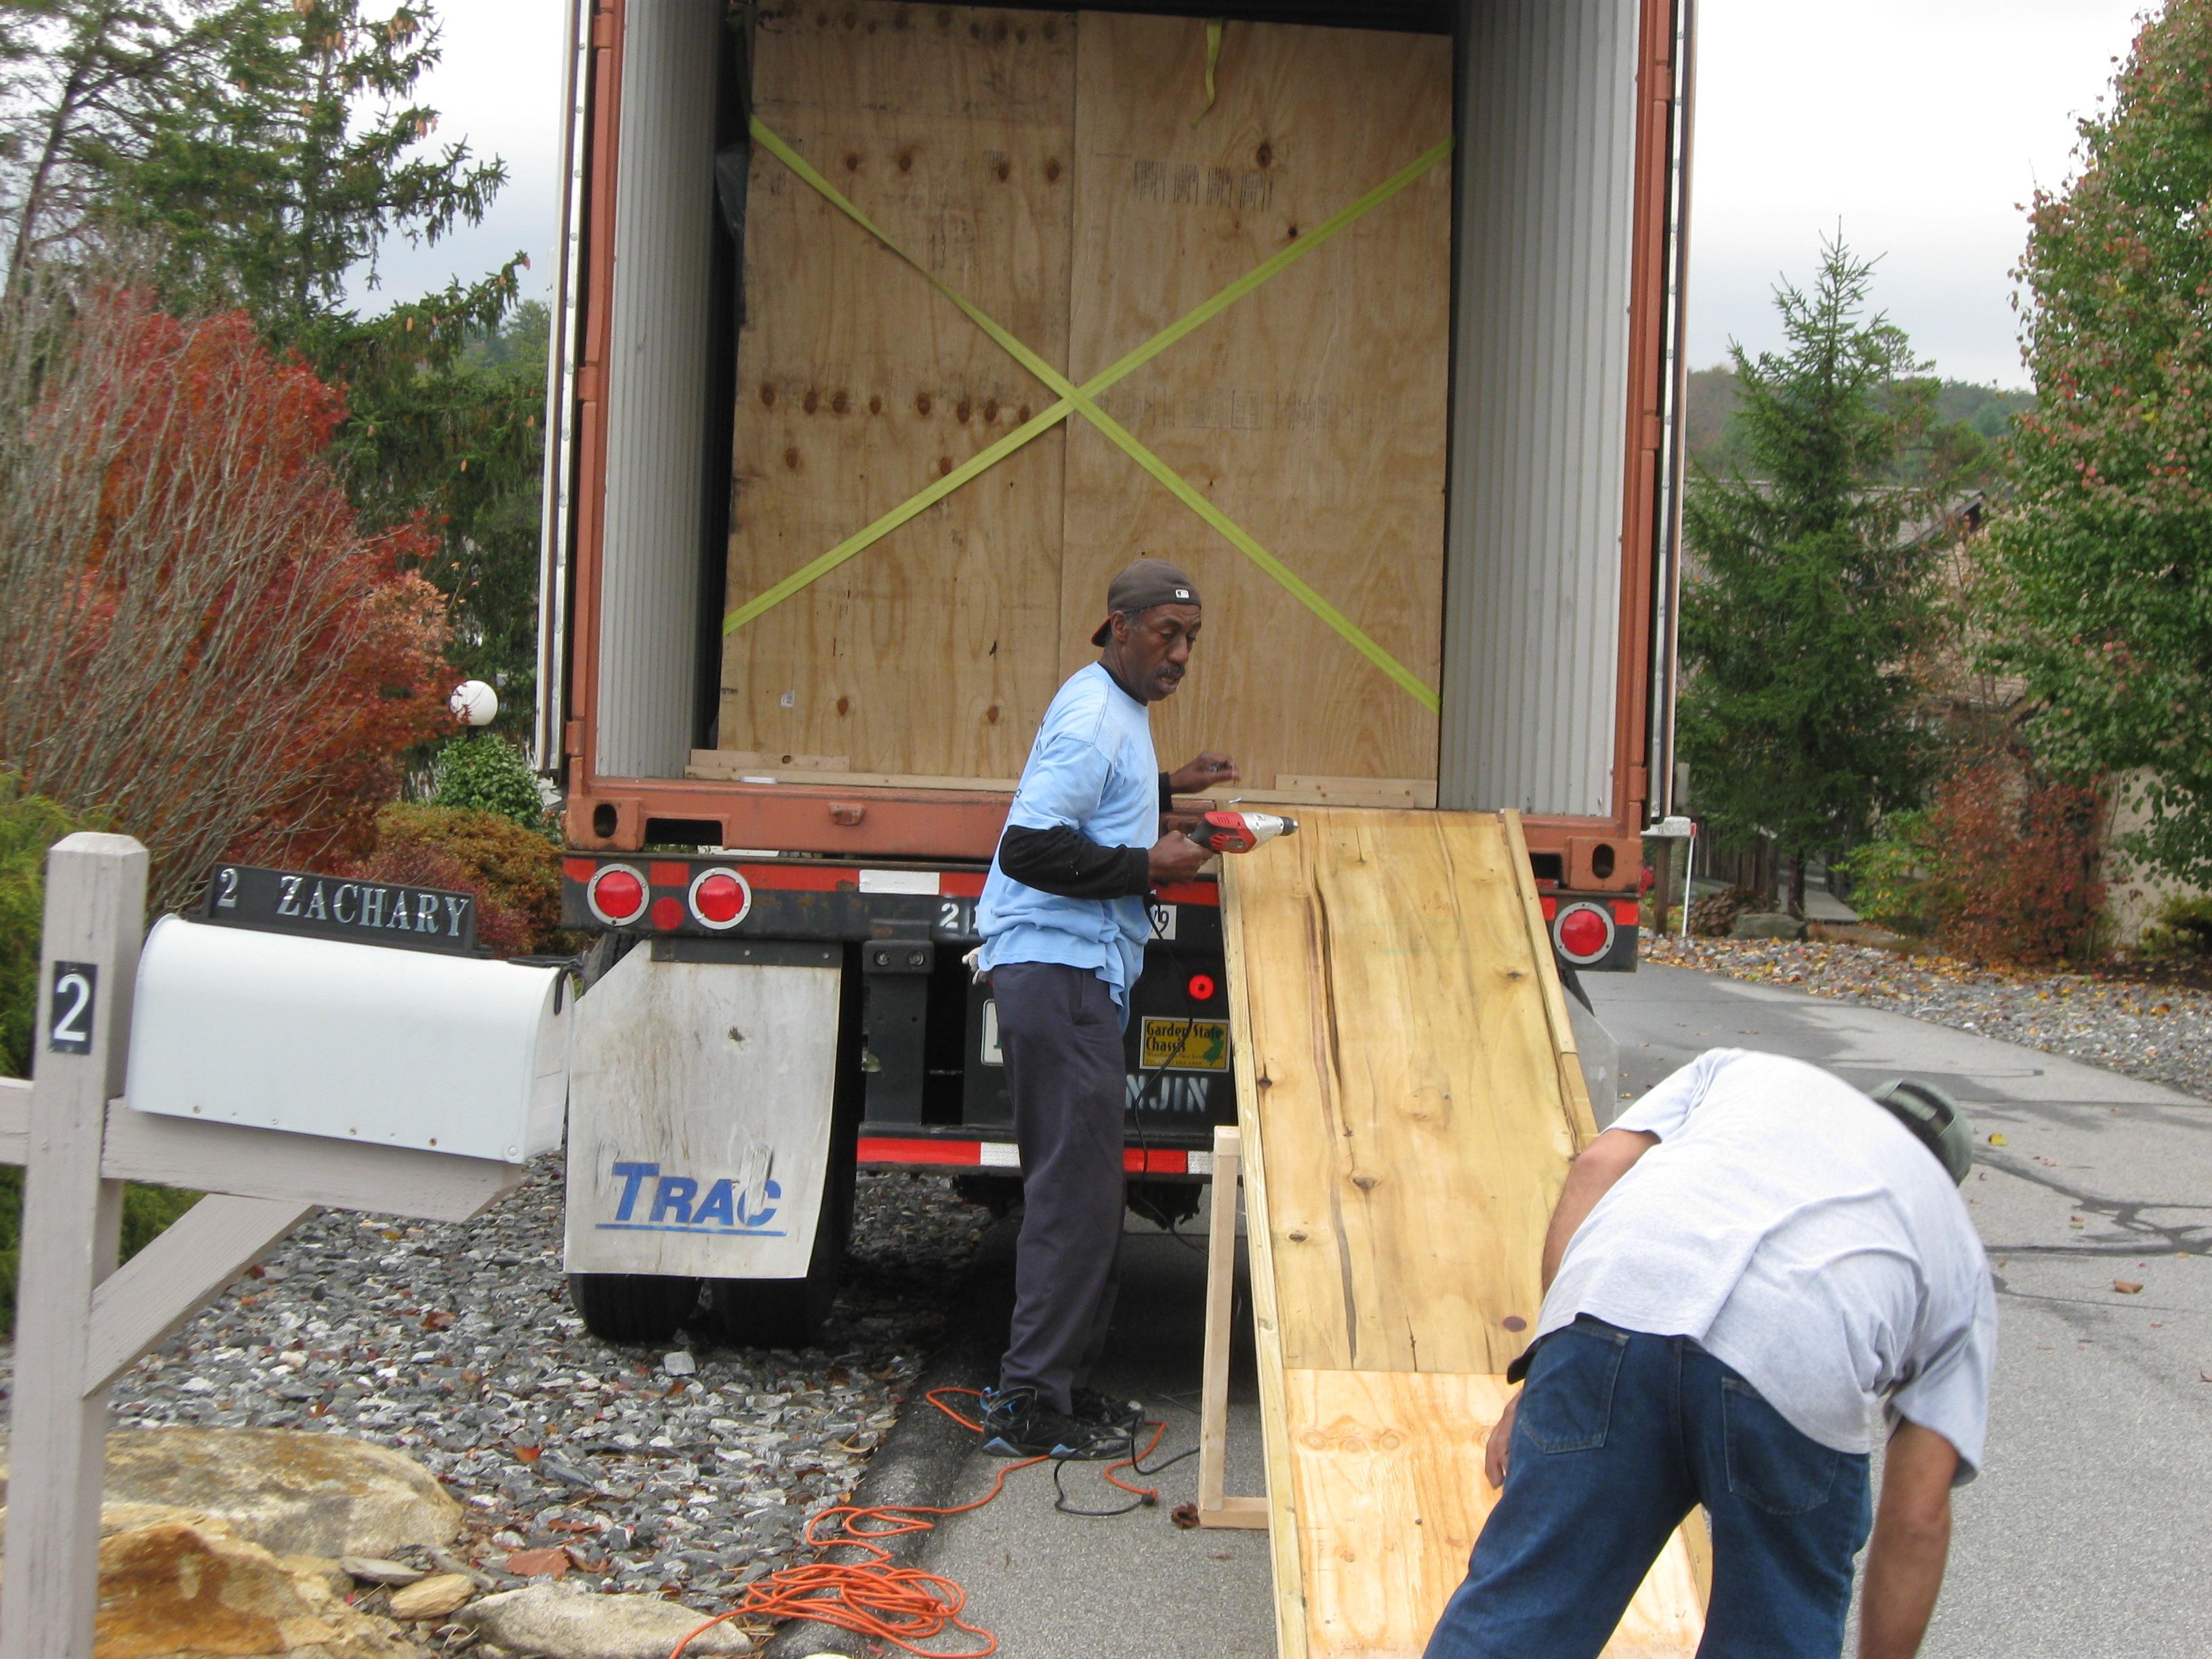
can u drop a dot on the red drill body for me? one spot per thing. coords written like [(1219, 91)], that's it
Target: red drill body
[(1240, 832)]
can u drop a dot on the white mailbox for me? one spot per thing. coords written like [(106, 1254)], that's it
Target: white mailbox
[(456, 1055)]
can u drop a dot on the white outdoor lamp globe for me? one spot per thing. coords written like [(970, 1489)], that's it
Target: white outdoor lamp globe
[(474, 703)]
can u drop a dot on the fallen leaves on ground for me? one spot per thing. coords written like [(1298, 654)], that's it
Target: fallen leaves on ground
[(540, 1564)]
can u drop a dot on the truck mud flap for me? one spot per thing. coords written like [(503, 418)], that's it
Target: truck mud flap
[(702, 1098)]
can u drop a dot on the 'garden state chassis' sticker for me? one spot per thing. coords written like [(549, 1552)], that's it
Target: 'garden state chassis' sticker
[(1185, 1045)]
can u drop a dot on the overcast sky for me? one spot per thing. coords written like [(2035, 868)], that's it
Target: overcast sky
[(1918, 125)]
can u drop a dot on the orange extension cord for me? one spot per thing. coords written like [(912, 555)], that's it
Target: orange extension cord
[(903, 1606)]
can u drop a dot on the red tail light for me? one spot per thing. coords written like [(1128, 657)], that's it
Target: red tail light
[(1583, 933), (1201, 987), (617, 895), (719, 898)]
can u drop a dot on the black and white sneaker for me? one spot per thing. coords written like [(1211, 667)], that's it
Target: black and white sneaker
[(1017, 1423), (1123, 1416)]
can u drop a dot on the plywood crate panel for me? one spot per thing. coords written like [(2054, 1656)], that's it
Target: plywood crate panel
[(1311, 412), (1046, 166), (934, 651)]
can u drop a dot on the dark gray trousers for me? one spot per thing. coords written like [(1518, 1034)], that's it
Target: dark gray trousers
[(1061, 1036)]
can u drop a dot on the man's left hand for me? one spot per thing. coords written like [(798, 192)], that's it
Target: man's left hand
[(1498, 1454), (1208, 771)]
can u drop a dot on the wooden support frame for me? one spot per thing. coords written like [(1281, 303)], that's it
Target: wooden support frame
[(1214, 1508), (82, 1321)]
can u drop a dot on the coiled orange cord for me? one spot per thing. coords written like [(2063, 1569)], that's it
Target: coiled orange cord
[(874, 1597)]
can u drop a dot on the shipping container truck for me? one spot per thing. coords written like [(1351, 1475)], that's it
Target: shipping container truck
[(1377, 310)]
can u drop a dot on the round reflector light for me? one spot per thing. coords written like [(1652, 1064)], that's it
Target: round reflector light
[(1201, 987), (617, 895), (719, 898), (1583, 933)]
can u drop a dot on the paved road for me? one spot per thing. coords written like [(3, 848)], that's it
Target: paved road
[(2088, 1533)]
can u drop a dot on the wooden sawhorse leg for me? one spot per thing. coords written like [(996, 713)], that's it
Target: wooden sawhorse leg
[(1213, 1508)]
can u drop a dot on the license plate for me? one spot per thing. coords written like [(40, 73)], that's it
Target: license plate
[(1186, 1045)]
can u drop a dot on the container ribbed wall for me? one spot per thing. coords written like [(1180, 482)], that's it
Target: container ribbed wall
[(656, 387), (1540, 382)]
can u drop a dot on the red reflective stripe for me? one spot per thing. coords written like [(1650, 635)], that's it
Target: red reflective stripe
[(1140, 1161), (1551, 907), (883, 1150), (1626, 912), (798, 878), (1191, 892), (828, 879)]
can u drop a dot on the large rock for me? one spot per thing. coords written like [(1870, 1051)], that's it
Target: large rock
[(293, 1493), (171, 1591), (1767, 924), (564, 1621)]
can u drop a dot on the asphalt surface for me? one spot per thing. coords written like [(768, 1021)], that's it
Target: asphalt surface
[(2089, 1532), (2090, 1529)]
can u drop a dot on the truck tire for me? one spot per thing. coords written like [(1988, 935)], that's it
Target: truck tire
[(632, 1309), (785, 1313)]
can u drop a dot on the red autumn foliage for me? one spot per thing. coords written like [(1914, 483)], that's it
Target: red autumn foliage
[(202, 639), (2013, 860)]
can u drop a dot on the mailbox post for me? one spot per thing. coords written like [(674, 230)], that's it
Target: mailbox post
[(81, 1320)]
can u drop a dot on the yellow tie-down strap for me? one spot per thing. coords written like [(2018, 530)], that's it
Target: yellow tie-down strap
[(1078, 399)]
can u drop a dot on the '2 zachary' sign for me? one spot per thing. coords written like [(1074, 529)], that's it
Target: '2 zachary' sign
[(342, 907)]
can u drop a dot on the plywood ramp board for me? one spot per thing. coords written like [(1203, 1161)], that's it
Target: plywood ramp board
[(1312, 412), (935, 651), (1407, 1113), (1395, 1027), (1387, 1469)]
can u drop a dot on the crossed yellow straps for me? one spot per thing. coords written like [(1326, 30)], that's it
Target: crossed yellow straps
[(1074, 400)]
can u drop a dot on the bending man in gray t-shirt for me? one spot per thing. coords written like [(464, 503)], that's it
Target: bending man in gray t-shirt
[(1748, 1267)]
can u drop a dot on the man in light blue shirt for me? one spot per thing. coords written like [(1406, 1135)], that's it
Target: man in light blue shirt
[(1064, 926)]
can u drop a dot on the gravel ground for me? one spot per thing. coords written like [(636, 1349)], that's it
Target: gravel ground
[(2161, 1032), (455, 1344)]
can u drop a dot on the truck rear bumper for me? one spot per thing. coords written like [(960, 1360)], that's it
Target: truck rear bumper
[(897, 1146)]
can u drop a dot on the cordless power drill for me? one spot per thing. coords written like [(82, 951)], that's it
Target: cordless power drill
[(1240, 832)]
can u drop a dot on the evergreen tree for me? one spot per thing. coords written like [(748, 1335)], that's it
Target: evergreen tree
[(86, 87), (2101, 596), (1809, 589)]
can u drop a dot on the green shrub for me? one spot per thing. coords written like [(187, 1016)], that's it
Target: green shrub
[(485, 773), (515, 871), (29, 826), (2184, 928), (1889, 884)]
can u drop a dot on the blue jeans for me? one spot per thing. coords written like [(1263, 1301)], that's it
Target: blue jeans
[(1618, 1436)]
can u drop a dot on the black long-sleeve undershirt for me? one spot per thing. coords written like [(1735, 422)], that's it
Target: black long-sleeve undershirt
[(1059, 860)]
